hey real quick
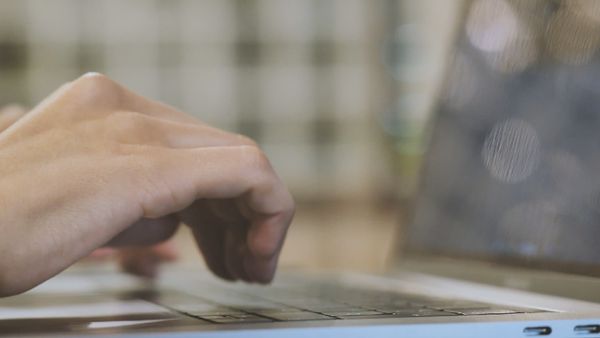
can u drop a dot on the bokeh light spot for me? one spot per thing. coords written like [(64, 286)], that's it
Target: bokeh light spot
[(511, 151)]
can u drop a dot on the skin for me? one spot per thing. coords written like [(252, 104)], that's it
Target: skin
[(139, 260), (96, 165)]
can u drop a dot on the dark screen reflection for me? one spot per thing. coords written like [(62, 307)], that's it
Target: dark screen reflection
[(514, 162)]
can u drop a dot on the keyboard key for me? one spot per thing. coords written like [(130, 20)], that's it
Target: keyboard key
[(394, 308), (422, 313), (256, 309), (404, 314), (231, 304), (350, 313), (236, 318), (308, 303), (294, 316), (214, 312), (464, 304), (482, 311)]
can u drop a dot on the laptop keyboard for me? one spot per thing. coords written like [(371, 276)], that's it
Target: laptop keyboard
[(230, 305)]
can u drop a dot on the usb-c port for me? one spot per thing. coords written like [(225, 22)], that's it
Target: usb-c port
[(587, 329), (537, 331)]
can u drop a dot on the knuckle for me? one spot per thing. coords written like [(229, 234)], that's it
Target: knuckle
[(246, 141), (255, 158), (97, 88), (94, 76), (96, 80)]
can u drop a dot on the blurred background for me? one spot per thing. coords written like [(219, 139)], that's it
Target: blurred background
[(303, 78), (322, 85), (339, 93)]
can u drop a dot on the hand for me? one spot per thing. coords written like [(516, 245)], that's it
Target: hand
[(140, 260), (95, 163)]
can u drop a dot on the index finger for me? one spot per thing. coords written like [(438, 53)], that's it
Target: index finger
[(268, 225), (265, 240), (242, 173)]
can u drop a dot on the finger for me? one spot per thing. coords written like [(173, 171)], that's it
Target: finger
[(165, 251), (144, 261), (218, 173), (210, 236), (264, 240), (260, 270), (239, 260), (146, 232), (211, 241), (169, 180), (230, 255), (9, 115), (102, 253), (235, 251), (225, 215), (235, 236), (139, 262)]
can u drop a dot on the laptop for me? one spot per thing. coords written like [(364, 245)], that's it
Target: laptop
[(503, 242)]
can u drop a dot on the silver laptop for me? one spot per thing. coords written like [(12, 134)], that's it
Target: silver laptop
[(503, 242)]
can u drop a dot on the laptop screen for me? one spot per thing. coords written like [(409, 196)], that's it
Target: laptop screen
[(513, 167)]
